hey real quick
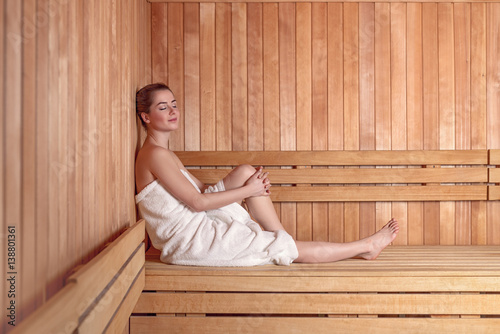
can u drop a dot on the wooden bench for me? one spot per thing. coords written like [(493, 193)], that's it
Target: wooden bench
[(100, 296), (420, 289)]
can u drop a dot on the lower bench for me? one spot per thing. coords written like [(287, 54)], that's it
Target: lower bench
[(412, 288), (100, 296)]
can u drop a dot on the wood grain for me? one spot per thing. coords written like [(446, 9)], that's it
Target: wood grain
[(70, 71)]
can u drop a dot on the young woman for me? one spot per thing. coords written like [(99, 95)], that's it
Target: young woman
[(195, 224)]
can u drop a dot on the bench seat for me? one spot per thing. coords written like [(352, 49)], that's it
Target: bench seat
[(433, 287)]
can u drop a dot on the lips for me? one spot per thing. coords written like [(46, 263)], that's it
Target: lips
[(173, 120)]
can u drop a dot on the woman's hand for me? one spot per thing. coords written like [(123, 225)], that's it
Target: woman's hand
[(259, 183)]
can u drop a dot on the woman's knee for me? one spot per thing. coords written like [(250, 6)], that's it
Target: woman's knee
[(238, 176)]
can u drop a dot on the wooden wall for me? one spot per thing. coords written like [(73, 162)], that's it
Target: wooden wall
[(340, 76), (68, 135)]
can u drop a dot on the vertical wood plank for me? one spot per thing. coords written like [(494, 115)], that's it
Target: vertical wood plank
[(42, 158), (335, 107), (493, 106), (367, 76), (223, 76), (12, 134), (351, 105), (319, 105), (304, 90), (255, 77), (207, 76), (116, 119), (398, 76), (287, 76), (53, 223), (462, 30), (28, 251), (271, 76), (351, 76), (367, 102), (271, 109), (3, 171), (159, 53), (414, 110), (430, 109), (478, 109), (101, 123), (287, 94), (75, 129), (446, 109), (382, 82), (192, 76), (175, 57), (64, 176), (319, 76), (304, 65), (478, 76), (446, 77), (462, 54), (398, 103), (239, 76)]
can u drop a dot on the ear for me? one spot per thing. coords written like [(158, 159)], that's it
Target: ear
[(145, 117)]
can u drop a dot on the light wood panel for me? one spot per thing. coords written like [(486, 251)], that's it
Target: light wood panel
[(98, 292), (69, 70), (296, 303), (303, 325), (354, 76)]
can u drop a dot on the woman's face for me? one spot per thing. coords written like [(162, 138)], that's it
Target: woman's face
[(163, 113)]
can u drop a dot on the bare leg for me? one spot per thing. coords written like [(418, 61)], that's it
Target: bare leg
[(368, 248), (261, 208)]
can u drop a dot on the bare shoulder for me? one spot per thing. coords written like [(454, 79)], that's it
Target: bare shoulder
[(149, 159)]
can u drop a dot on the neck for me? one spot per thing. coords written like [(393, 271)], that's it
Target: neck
[(157, 138)]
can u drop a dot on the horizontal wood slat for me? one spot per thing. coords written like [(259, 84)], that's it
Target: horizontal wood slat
[(325, 284), (494, 175), (110, 300), (379, 194), (364, 175), (125, 310), (411, 261), (102, 269), (469, 167), (494, 157), (58, 312), (494, 193), (334, 158), (299, 303), (323, 325)]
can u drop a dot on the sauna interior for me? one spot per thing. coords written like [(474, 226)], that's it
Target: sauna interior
[(248, 76)]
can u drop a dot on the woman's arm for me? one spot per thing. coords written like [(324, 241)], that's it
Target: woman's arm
[(163, 166), (202, 186)]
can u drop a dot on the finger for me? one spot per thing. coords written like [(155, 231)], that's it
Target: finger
[(257, 173)]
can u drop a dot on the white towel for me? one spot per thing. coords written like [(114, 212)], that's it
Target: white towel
[(223, 237)]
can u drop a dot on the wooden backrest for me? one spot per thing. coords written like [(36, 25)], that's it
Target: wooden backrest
[(340, 176), (494, 175), (101, 295)]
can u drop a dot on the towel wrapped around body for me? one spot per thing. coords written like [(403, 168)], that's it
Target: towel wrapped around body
[(223, 237)]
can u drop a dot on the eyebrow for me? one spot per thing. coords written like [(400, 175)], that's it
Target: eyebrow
[(165, 102)]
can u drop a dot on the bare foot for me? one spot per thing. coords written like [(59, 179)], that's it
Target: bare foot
[(381, 239)]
